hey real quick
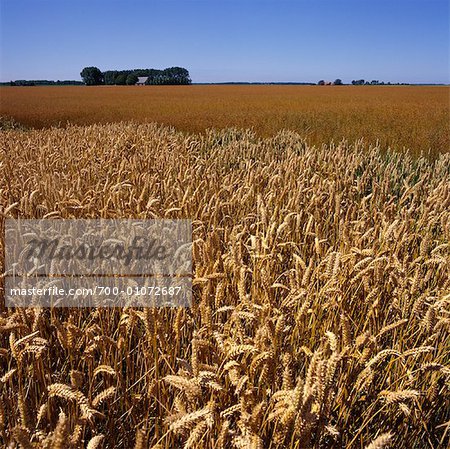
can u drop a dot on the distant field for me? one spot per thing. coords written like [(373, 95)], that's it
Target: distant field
[(414, 117)]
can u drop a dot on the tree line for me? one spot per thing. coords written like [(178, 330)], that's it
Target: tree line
[(42, 83), (336, 82), (93, 76), (367, 83), (361, 82)]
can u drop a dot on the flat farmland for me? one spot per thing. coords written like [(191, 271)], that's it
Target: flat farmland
[(412, 117), (320, 313), (320, 316)]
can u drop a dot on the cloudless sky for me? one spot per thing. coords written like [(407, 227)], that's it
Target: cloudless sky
[(229, 40)]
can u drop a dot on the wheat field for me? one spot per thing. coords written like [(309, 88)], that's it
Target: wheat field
[(321, 298), (416, 118)]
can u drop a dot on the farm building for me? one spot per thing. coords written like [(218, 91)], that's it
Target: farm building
[(141, 80)]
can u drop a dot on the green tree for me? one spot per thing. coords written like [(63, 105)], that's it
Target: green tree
[(92, 76), (132, 79), (176, 75), (110, 76), (152, 75), (121, 79), (338, 82)]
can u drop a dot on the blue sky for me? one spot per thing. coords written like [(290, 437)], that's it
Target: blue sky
[(229, 40)]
